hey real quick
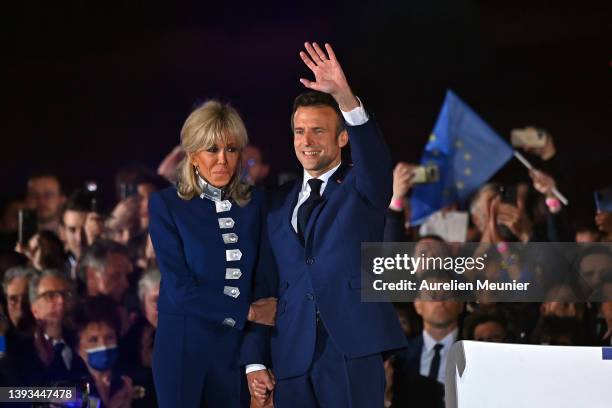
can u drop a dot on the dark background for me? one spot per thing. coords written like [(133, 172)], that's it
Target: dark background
[(90, 86)]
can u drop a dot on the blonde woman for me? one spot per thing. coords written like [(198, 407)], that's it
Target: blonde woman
[(206, 232)]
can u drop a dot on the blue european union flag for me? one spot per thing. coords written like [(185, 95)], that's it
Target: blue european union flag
[(467, 153)]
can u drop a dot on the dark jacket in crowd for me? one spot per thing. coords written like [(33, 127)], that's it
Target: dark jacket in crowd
[(410, 388)]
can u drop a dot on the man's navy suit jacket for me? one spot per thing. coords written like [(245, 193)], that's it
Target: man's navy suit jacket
[(323, 274)]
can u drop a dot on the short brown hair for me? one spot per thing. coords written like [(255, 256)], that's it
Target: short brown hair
[(318, 99)]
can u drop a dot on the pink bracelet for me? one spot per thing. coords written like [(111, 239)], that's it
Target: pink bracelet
[(397, 204), (502, 247), (553, 204)]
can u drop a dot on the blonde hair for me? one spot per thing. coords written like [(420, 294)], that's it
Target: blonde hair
[(212, 123)]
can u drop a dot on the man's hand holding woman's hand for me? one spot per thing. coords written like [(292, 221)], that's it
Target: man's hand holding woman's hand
[(263, 311), (261, 384)]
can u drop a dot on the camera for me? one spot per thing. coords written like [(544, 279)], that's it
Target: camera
[(425, 174)]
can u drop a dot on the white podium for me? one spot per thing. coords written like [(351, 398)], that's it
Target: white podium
[(494, 375)]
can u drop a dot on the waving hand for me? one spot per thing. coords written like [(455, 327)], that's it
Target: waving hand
[(329, 77)]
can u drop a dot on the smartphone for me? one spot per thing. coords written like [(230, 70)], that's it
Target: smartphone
[(91, 191), (91, 186), (528, 137), (27, 225), (425, 174), (603, 199), (508, 194), (127, 190)]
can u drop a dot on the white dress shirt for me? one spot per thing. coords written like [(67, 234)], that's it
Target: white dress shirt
[(428, 352), (354, 117)]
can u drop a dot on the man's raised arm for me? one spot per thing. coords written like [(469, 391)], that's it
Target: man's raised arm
[(369, 151)]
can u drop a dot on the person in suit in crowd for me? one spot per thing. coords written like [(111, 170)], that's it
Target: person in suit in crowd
[(206, 234), (419, 370), (327, 347), (81, 225), (49, 356)]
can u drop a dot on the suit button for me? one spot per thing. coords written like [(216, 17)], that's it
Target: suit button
[(309, 296), (309, 261)]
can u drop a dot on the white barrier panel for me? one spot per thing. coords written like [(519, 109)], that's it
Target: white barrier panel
[(494, 375)]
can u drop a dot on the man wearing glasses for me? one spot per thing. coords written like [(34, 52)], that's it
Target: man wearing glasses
[(51, 296)]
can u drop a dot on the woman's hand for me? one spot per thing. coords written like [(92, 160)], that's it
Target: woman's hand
[(123, 397), (263, 311), (490, 234), (261, 384), (543, 182), (402, 180), (515, 219)]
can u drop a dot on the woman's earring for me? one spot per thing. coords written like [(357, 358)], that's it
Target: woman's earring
[(195, 166)]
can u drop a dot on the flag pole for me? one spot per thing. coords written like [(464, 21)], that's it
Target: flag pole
[(526, 163)]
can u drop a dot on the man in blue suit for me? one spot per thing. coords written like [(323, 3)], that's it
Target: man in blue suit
[(327, 347), (419, 370)]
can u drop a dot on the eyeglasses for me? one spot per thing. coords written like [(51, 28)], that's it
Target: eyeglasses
[(53, 295), (16, 299)]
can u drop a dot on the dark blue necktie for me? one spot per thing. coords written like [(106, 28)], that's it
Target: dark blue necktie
[(58, 348), (308, 206), (58, 364), (434, 368)]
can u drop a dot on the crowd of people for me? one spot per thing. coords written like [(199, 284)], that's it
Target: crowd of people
[(80, 292), (79, 298), (565, 316)]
